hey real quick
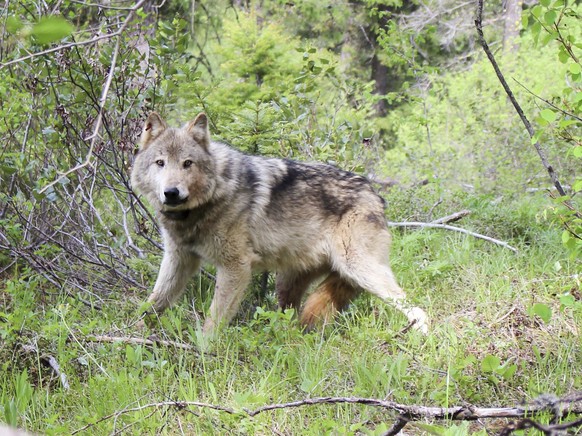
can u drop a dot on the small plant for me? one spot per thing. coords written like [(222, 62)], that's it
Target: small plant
[(15, 406), (496, 371)]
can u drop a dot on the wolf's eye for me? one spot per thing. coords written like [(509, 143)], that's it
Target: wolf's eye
[(188, 163), (160, 163)]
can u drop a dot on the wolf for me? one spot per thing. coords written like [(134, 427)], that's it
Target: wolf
[(245, 214)]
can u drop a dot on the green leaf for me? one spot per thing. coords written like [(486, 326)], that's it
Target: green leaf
[(543, 311), (536, 11), (536, 29), (566, 123), (50, 29), (307, 385), (563, 55), (549, 36), (550, 17), (490, 363), (10, 412), (567, 300), (545, 3), (548, 115), (13, 24), (536, 137), (577, 185), (129, 353), (577, 151), (432, 429), (509, 372), (575, 68)]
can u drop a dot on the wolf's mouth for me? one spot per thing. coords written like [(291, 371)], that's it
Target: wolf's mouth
[(176, 215), (175, 202)]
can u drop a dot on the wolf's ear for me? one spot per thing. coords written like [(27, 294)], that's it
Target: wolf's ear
[(153, 127), (198, 129)]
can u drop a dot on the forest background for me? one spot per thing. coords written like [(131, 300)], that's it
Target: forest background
[(400, 92)]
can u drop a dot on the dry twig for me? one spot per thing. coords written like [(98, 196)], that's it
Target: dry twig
[(571, 404), (91, 41), (456, 229), (99, 120), (518, 109), (452, 217)]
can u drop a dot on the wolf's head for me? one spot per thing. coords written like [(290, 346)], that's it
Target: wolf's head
[(174, 168)]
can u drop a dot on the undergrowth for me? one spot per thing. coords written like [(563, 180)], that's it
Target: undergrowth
[(505, 328)]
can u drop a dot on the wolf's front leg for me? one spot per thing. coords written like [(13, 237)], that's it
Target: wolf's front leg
[(231, 284), (177, 268)]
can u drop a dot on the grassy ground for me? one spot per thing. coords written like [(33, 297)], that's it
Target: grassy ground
[(505, 328)]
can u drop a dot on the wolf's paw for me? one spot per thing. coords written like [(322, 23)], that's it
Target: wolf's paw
[(419, 319)]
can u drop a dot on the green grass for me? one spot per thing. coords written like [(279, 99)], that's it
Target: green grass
[(487, 345)]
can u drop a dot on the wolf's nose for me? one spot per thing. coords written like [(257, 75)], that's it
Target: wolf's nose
[(172, 195)]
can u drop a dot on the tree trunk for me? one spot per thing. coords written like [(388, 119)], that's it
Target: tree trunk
[(512, 21), (380, 76)]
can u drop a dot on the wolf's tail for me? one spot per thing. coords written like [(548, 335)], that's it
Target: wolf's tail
[(331, 296)]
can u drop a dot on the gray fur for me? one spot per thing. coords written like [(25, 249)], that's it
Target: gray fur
[(247, 213)]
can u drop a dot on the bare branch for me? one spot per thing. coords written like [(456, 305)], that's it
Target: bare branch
[(571, 404), (549, 103), (95, 136), (397, 427), (456, 229), (91, 41), (452, 217), (518, 109), (177, 404)]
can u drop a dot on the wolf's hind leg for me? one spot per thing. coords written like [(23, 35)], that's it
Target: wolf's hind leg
[(333, 295), (291, 287), (363, 261), (175, 271), (379, 281)]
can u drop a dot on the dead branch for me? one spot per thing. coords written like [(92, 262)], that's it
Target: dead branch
[(518, 109), (452, 217), (104, 94), (456, 229), (397, 427), (177, 404), (91, 41), (95, 136), (558, 407), (66, 230), (549, 103), (550, 430)]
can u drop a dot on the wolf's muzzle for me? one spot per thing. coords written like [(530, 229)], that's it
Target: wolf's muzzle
[(172, 197)]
